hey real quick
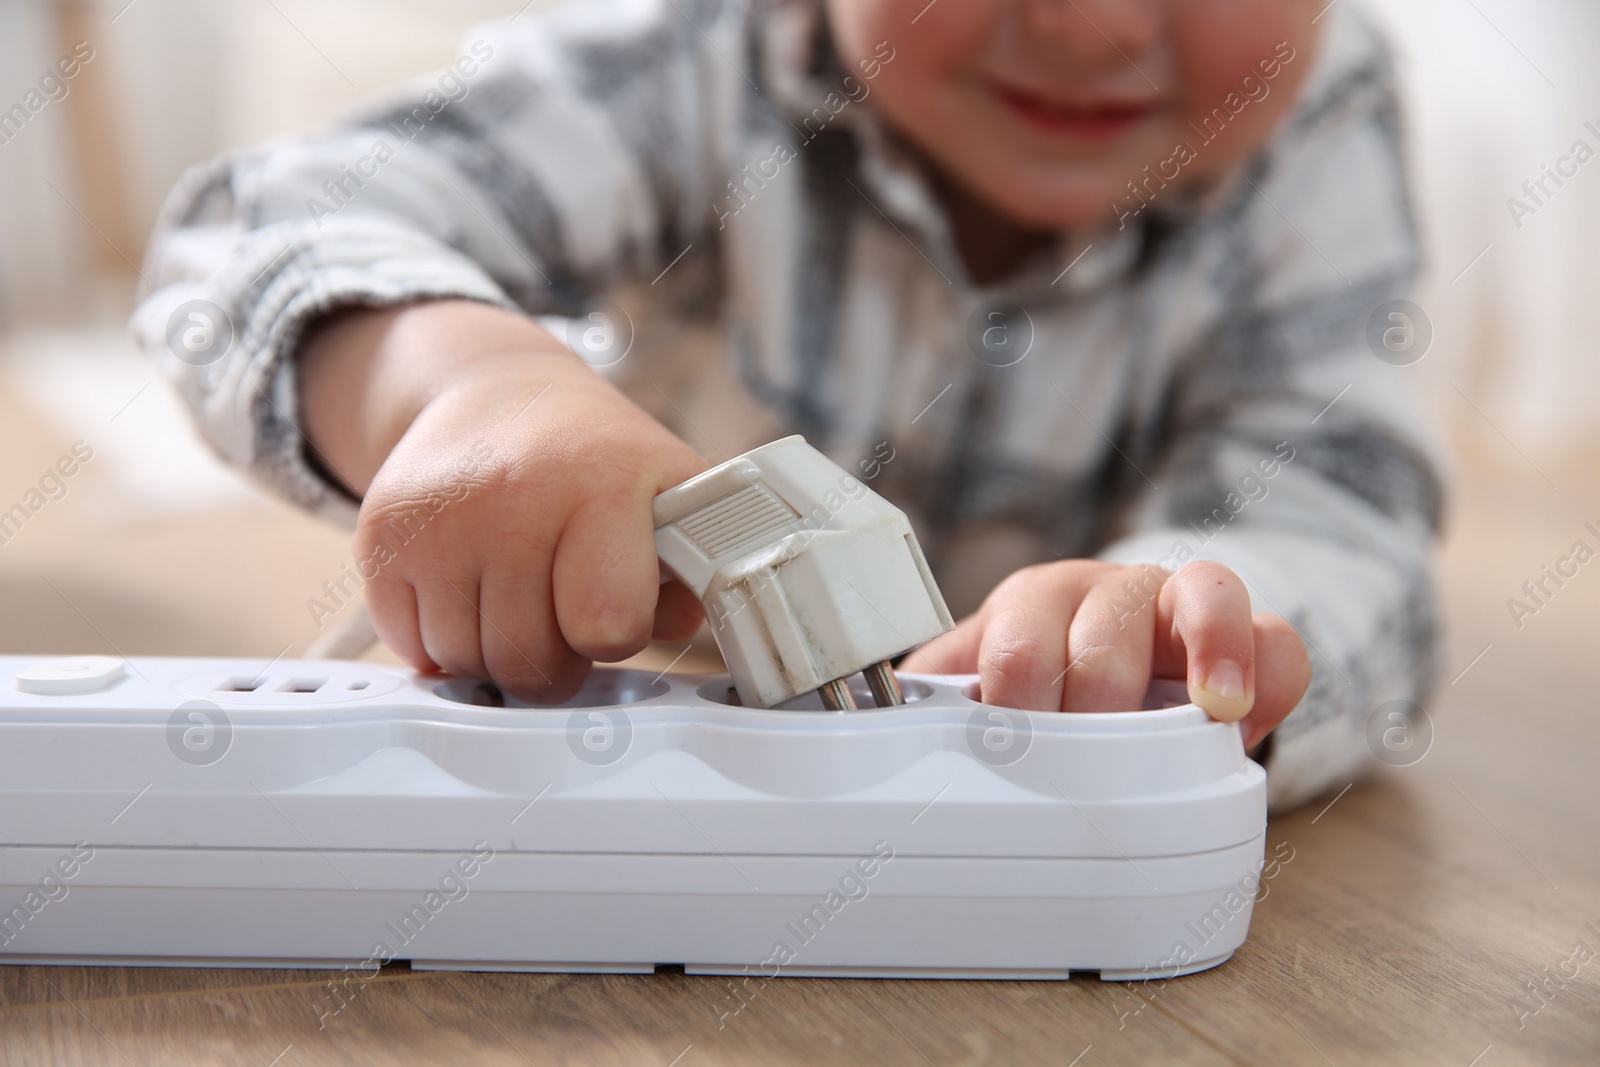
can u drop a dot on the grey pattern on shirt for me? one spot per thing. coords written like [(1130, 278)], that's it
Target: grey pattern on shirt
[(604, 142)]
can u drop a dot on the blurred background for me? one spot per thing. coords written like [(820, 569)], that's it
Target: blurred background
[(156, 547), (1429, 888)]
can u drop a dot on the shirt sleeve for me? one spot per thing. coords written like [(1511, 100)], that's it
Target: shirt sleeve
[(1293, 450), (560, 154)]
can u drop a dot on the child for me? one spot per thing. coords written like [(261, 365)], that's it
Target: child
[(1083, 285)]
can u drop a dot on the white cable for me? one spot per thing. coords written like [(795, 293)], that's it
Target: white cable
[(349, 639)]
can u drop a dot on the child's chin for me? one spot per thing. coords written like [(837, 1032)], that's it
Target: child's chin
[(1052, 201)]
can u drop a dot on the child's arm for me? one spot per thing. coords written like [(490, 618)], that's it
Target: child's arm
[(379, 281), (562, 155), (505, 519), (1287, 451)]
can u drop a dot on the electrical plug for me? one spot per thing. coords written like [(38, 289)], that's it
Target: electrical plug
[(806, 575)]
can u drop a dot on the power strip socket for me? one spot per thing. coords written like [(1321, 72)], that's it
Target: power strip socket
[(294, 813)]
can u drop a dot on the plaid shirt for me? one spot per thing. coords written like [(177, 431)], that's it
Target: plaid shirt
[(1191, 379)]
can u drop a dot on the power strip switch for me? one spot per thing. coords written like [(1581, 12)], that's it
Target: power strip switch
[(807, 576)]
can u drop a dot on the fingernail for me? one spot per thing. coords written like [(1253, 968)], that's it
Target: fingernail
[(1226, 680), (1222, 694)]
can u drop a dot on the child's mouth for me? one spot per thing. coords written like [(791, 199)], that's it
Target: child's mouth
[(1091, 122)]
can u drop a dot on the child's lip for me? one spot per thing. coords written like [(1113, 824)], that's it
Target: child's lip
[(1094, 120)]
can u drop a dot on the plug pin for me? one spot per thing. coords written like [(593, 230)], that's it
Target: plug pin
[(836, 696), (885, 686)]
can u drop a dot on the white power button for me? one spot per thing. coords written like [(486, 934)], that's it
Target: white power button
[(72, 675)]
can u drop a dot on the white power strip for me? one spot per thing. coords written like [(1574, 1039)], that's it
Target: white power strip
[(240, 812)]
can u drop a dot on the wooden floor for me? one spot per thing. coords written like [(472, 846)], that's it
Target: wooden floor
[(1403, 930)]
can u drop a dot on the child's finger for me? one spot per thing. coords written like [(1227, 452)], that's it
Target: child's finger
[(1282, 675), (955, 652), (523, 647), (1204, 631), (1110, 643), (678, 613), (606, 578), (1022, 656), (447, 618), (392, 604)]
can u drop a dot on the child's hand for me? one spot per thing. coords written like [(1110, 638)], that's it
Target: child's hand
[(1085, 635), (506, 495)]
